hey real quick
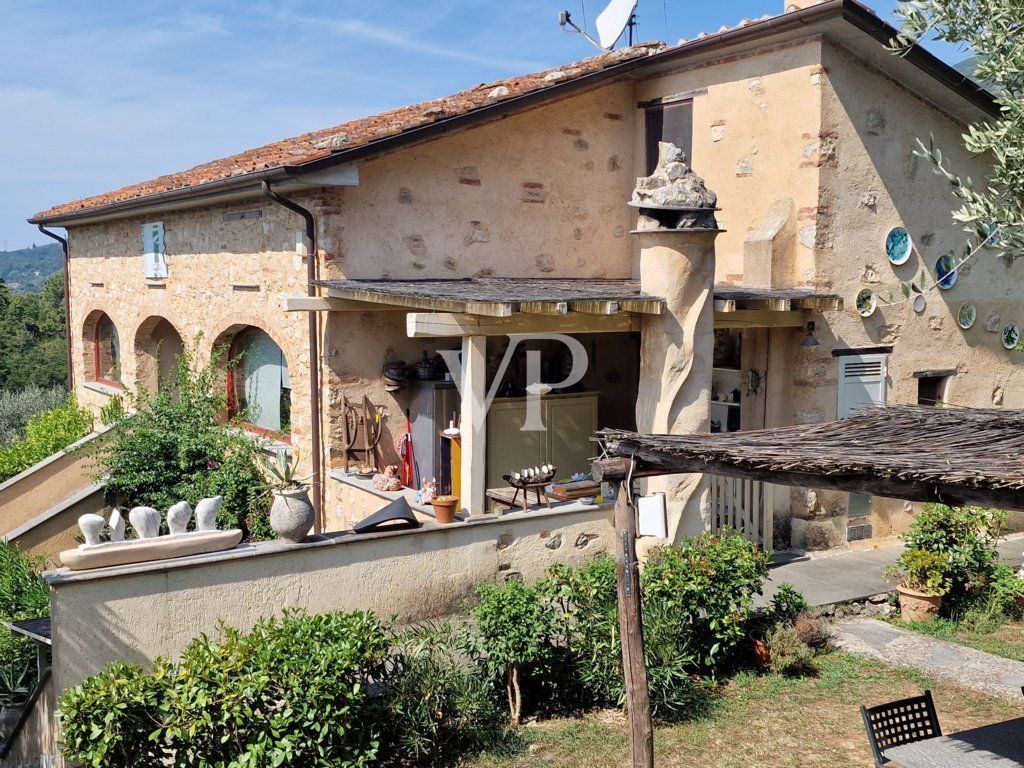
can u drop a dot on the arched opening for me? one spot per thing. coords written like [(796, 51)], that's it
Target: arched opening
[(259, 387), (157, 348), (101, 349)]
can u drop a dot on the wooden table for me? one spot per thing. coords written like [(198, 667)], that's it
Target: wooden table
[(992, 746), (508, 495)]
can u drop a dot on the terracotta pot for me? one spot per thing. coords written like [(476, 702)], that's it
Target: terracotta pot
[(291, 514), (444, 511), (760, 654), (917, 606)]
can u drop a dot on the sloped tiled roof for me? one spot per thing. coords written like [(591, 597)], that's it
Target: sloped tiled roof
[(318, 144)]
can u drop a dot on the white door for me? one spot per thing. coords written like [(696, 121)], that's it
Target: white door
[(861, 382)]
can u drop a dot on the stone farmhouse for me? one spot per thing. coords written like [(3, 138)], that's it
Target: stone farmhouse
[(451, 224)]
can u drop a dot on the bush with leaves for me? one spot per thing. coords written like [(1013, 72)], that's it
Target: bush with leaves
[(515, 627), (23, 595), (441, 708), (790, 655), (174, 446), (46, 433), (16, 408), (965, 539), (708, 584)]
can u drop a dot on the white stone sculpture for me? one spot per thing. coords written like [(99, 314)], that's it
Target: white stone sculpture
[(92, 527), (674, 185), (206, 513), (145, 521), (178, 517), (149, 544), (116, 526)]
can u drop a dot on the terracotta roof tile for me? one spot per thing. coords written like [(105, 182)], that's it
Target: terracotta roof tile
[(318, 144)]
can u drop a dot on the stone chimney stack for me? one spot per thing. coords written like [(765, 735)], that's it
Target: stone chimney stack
[(677, 230)]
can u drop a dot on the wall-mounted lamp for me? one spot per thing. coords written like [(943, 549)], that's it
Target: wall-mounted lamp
[(809, 340)]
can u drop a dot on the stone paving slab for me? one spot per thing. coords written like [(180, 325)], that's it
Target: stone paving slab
[(968, 667)]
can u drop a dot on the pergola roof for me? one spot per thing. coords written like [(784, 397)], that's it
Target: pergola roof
[(918, 453), (503, 296)]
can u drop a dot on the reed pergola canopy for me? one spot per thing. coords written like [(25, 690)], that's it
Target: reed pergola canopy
[(919, 453)]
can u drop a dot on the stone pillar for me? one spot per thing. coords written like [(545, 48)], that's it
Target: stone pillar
[(474, 423), (676, 354), (677, 231)]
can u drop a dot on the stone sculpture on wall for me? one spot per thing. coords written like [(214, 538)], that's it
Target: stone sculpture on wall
[(150, 544)]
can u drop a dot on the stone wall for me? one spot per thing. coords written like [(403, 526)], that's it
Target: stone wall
[(151, 609)]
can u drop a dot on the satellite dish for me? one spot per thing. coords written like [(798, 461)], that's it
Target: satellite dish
[(613, 20)]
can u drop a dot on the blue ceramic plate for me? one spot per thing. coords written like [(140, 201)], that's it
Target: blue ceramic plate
[(898, 245), (945, 271)]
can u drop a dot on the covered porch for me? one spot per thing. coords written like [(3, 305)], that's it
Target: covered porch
[(487, 328)]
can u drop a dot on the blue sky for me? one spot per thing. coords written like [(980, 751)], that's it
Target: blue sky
[(95, 95)]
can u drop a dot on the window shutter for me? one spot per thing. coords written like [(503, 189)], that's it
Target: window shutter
[(154, 252), (861, 382)]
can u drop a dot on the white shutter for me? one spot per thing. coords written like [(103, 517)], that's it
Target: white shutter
[(861, 382), (154, 252)]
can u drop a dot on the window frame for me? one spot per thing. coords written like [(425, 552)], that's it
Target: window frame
[(256, 429), (660, 106), (96, 352)]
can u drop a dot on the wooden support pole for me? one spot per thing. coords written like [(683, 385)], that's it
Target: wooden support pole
[(627, 572), (473, 423)]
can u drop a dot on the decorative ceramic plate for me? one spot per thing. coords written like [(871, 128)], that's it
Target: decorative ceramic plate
[(898, 245), (920, 303), (946, 271), (1011, 336), (967, 315), (867, 302)]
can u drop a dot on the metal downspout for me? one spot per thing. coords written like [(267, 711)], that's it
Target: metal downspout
[(67, 301), (314, 350)]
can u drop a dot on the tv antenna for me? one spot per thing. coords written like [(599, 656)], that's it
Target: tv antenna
[(615, 19)]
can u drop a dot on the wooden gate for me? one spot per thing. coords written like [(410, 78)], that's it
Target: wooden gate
[(744, 506)]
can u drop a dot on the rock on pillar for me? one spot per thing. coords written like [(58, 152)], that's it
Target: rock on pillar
[(677, 231)]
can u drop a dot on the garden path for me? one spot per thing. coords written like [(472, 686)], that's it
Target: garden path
[(846, 576), (981, 671)]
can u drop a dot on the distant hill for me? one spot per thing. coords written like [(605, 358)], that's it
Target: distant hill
[(27, 269)]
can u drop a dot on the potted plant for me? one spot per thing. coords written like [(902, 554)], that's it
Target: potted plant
[(444, 508), (291, 514), (921, 582)]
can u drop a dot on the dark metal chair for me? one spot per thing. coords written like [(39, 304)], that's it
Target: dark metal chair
[(900, 722)]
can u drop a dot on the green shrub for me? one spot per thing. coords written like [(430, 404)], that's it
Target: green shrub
[(441, 708), (295, 691), (708, 585), (1005, 591), (786, 605), (113, 718), (23, 595), (966, 537), (174, 447), (515, 627), (790, 655), (47, 433), (922, 570), (16, 408)]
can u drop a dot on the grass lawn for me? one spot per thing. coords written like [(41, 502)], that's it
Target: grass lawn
[(1002, 638), (761, 722)]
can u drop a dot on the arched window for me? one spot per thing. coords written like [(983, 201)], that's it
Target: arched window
[(259, 389), (106, 352)]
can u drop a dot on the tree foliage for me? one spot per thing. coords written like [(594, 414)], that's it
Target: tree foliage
[(33, 350), (993, 211), (174, 446)]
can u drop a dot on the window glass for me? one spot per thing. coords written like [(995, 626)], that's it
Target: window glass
[(672, 123), (262, 386), (107, 351)]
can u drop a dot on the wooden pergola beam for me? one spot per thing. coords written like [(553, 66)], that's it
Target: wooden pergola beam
[(429, 325), (649, 464), (759, 318), (440, 304), (332, 304)]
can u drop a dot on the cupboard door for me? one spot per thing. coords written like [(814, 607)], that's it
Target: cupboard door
[(509, 448), (571, 422)]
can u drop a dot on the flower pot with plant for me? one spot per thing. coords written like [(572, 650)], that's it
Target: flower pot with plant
[(444, 508), (291, 514), (921, 582)]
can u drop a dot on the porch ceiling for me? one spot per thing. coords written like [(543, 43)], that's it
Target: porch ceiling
[(505, 296), (918, 453)]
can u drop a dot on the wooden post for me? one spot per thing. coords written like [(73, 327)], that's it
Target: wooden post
[(631, 632), (473, 424)]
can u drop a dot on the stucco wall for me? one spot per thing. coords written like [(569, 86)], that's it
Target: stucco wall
[(755, 140), (872, 183), (157, 608)]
